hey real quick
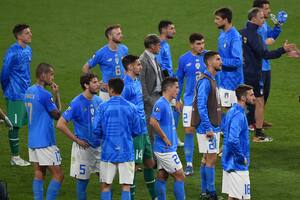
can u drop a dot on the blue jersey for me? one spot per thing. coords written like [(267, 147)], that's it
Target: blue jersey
[(165, 58), (15, 75), (81, 112), (110, 62), (204, 90), (190, 67), (116, 124), (163, 113), (265, 31), (236, 144), (39, 104), (231, 52), (132, 92)]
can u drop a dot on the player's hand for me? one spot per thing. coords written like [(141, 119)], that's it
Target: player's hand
[(178, 106), (294, 54), (167, 141), (54, 88), (288, 46), (210, 134), (8, 123), (82, 143)]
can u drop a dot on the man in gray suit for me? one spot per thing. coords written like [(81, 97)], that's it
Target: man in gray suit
[(151, 75)]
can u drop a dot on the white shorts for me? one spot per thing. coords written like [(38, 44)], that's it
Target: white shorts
[(236, 184), (208, 145), (168, 161), (84, 161), (104, 95), (108, 172), (45, 156), (228, 97), (187, 116)]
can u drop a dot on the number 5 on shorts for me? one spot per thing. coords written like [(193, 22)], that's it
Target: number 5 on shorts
[(82, 169)]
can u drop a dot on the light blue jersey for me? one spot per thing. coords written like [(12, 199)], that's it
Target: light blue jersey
[(39, 104), (265, 31), (163, 113), (116, 124), (190, 67), (165, 58), (110, 62), (231, 52), (15, 75), (236, 144), (132, 92), (81, 112)]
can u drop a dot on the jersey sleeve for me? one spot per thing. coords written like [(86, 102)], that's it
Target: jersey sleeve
[(97, 122), (157, 111), (95, 59), (236, 59), (126, 93), (136, 129), (68, 115), (273, 33), (7, 62), (47, 101)]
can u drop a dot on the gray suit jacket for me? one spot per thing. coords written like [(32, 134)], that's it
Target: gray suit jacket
[(148, 79)]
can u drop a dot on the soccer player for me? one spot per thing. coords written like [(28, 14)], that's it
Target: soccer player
[(236, 147), (85, 157), (15, 79), (230, 50), (268, 36), (165, 142), (109, 58), (191, 66), (208, 130), (5, 119), (132, 92), (117, 123), (43, 152), (167, 31), (254, 51)]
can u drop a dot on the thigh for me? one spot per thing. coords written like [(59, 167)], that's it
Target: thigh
[(108, 172), (16, 112), (239, 184), (126, 172), (170, 162), (208, 145), (138, 149), (187, 116), (49, 156)]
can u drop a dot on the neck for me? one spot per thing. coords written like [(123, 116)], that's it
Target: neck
[(112, 45), (22, 44), (227, 27), (212, 71), (163, 37), (40, 83), (242, 103), (87, 94), (167, 96), (131, 74), (195, 53)]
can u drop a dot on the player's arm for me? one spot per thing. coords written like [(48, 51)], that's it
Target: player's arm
[(8, 59), (86, 68), (55, 90), (62, 125), (202, 98), (236, 51), (6, 120), (154, 123), (92, 62), (233, 139)]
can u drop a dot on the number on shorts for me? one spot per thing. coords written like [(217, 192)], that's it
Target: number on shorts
[(247, 189), (185, 118), (57, 155), (82, 169), (138, 154), (212, 144), (176, 159)]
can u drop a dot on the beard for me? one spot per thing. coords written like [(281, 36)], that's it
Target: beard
[(93, 92), (170, 36), (218, 69), (221, 27), (116, 41)]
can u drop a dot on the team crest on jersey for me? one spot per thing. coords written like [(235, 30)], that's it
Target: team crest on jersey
[(157, 109), (197, 65), (188, 65)]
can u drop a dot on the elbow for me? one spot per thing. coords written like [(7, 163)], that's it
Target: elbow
[(85, 68)]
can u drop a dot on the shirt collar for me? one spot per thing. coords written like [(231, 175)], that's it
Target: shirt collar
[(209, 74), (151, 55)]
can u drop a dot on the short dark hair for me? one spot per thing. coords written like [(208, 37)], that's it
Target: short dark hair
[(163, 24), (169, 81), (224, 13), (86, 79), (241, 90), (19, 28), (42, 68), (208, 55), (151, 39), (195, 36), (253, 13), (116, 84), (129, 59), (260, 3), (110, 28)]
